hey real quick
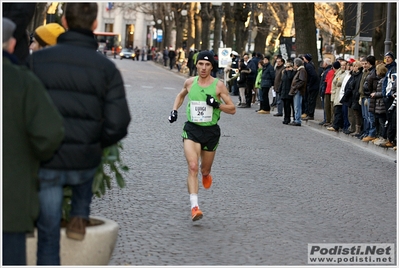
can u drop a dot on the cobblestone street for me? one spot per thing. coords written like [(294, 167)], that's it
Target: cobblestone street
[(276, 187)]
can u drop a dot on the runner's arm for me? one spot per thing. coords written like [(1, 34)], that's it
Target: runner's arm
[(227, 105), (182, 94)]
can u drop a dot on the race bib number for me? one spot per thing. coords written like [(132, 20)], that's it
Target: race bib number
[(200, 111)]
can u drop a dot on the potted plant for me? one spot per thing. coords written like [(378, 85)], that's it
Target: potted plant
[(101, 234)]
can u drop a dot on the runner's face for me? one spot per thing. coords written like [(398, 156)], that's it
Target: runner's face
[(204, 68)]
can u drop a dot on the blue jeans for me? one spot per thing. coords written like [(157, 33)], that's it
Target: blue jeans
[(298, 107), (14, 248), (365, 114), (51, 197)]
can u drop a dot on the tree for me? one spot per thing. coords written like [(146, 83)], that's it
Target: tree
[(305, 29), (206, 18), (379, 34)]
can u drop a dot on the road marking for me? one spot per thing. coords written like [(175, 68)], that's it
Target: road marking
[(169, 88), (146, 87)]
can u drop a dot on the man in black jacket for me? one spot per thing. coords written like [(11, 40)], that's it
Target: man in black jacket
[(88, 91), (312, 88)]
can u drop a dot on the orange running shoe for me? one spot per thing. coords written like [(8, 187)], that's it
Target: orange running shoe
[(207, 181), (196, 214)]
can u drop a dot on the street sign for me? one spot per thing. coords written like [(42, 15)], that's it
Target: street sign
[(224, 56)]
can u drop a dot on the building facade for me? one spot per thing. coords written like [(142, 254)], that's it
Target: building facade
[(125, 19)]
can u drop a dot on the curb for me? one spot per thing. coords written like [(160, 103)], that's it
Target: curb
[(390, 152)]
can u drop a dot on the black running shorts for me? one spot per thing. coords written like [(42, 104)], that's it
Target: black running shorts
[(207, 136)]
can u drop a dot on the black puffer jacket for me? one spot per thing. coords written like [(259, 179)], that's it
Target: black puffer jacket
[(88, 91)]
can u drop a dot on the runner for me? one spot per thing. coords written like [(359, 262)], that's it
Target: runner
[(201, 132)]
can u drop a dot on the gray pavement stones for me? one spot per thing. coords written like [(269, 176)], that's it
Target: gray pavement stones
[(276, 188)]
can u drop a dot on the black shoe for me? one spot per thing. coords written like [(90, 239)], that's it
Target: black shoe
[(322, 123), (285, 122), (293, 123), (278, 115)]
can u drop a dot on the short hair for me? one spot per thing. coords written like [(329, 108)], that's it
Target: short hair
[(371, 59), (327, 61), (80, 15), (298, 62), (381, 70)]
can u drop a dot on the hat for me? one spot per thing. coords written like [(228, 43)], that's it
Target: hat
[(389, 54), (206, 55), (46, 35), (308, 57), (351, 60), (8, 29), (336, 65), (234, 53)]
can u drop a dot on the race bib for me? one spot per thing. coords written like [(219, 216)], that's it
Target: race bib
[(200, 111)]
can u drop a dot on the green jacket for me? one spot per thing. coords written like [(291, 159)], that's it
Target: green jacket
[(258, 78), (32, 131)]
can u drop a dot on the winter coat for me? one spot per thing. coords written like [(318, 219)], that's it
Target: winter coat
[(242, 82), (329, 79), (370, 84), (376, 104), (88, 90), (336, 86), (278, 75), (313, 78), (258, 78), (355, 84), (286, 81), (299, 81), (32, 131), (323, 84), (268, 76)]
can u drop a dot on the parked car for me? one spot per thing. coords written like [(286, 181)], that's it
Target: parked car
[(127, 53)]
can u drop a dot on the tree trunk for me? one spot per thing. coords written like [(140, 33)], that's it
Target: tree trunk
[(305, 30), (191, 25), (240, 17), (230, 26), (217, 29), (38, 17), (206, 24), (198, 27)]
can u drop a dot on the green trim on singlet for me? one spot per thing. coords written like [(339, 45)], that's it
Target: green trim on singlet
[(198, 93)]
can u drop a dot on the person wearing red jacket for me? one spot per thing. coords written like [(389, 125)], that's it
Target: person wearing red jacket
[(328, 108)]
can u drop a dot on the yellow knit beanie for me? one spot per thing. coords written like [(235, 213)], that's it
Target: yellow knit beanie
[(46, 35)]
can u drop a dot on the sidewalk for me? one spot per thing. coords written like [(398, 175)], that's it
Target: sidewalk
[(319, 116)]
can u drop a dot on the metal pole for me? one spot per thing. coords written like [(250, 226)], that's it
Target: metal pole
[(388, 30), (358, 22)]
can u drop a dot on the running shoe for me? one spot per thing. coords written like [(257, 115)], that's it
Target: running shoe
[(196, 214), (207, 181)]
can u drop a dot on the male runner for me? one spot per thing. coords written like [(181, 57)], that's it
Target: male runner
[(201, 132)]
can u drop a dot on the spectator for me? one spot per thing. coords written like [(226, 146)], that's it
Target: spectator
[(328, 102), (287, 76), (377, 106), (336, 96), (32, 131), (278, 69), (21, 14), (243, 71), (46, 35), (253, 66), (258, 80), (362, 100), (392, 114), (323, 86), (298, 90), (165, 56), (172, 58), (312, 88), (88, 91), (267, 80), (190, 63), (357, 73), (387, 93), (369, 86)]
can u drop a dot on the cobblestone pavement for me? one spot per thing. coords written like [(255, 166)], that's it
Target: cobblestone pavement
[(276, 187)]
